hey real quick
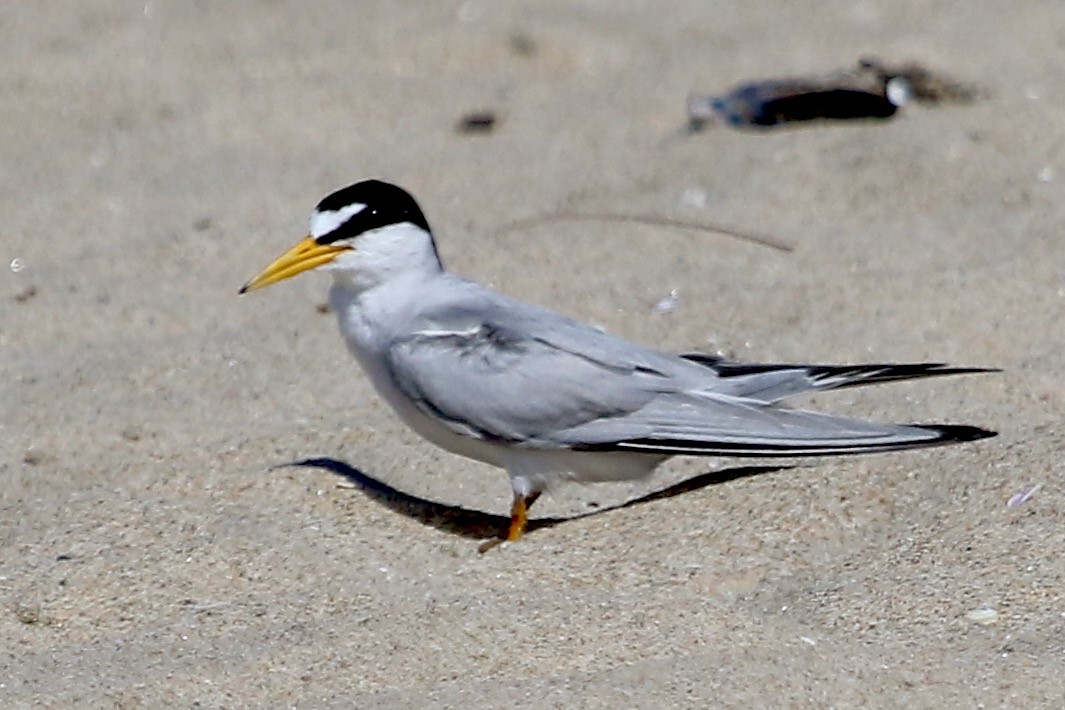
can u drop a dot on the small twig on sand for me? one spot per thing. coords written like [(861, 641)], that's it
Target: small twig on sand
[(652, 221)]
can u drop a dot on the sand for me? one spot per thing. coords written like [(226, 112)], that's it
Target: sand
[(158, 547)]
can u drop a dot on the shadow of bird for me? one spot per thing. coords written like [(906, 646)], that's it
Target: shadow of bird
[(478, 525)]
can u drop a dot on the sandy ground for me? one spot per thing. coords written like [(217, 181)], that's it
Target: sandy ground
[(156, 549)]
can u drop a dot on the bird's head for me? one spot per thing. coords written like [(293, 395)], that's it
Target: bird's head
[(365, 233)]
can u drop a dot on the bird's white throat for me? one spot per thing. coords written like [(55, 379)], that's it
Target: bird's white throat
[(385, 254)]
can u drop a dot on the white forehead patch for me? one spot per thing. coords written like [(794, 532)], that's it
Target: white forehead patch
[(324, 222)]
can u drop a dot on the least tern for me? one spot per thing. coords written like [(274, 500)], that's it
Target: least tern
[(545, 397)]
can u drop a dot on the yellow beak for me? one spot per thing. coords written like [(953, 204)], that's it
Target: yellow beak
[(306, 255)]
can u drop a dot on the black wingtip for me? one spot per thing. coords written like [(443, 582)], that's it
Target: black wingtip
[(959, 433), (879, 373), (941, 435), (945, 369)]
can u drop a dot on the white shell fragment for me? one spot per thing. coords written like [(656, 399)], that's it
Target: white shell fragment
[(984, 616), (1020, 498), (667, 304)]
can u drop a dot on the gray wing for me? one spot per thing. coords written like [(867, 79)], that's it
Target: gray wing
[(502, 371), (499, 384)]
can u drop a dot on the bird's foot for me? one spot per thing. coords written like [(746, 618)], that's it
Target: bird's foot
[(519, 519)]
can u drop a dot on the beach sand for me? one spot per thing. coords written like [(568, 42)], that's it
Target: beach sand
[(160, 549)]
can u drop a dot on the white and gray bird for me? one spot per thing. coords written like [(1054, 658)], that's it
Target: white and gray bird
[(545, 397)]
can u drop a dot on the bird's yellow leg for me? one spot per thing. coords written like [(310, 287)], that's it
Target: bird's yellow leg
[(519, 519)]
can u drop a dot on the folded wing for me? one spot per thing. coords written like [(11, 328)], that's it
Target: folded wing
[(498, 384), (543, 386)]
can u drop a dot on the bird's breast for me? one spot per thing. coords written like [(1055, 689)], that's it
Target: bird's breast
[(368, 336)]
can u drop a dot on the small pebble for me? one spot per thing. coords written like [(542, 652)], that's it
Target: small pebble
[(477, 122), (33, 456), (984, 616), (694, 197), (522, 44), (29, 613), (26, 294), (668, 304)]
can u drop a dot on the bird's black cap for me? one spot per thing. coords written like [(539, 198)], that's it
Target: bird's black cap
[(385, 204)]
